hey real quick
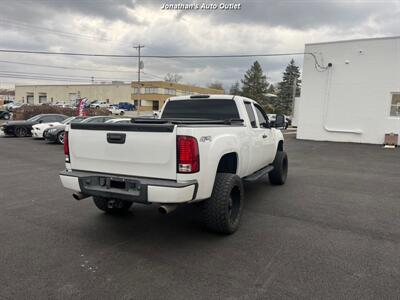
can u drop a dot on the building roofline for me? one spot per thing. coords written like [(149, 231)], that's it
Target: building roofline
[(176, 84), (355, 40)]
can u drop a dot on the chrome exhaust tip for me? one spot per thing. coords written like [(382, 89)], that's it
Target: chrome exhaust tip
[(79, 196), (167, 208)]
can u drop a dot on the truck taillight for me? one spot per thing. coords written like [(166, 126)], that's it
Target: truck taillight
[(188, 154), (66, 147)]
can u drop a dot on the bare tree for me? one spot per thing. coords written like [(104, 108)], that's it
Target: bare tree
[(216, 85), (173, 77)]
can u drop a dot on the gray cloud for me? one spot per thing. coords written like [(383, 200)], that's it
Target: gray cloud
[(116, 25), (295, 14), (41, 10)]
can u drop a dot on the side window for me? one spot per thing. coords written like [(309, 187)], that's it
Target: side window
[(251, 115), (58, 118), (261, 116), (45, 119)]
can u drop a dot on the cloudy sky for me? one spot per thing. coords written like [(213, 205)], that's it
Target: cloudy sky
[(115, 26)]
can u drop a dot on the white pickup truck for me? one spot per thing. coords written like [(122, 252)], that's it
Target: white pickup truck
[(200, 149)]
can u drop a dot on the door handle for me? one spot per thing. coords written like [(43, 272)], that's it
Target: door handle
[(116, 138), (264, 136)]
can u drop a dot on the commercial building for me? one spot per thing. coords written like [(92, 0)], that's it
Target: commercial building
[(357, 98), (110, 92), (154, 93)]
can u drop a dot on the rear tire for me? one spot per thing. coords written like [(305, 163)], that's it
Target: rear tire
[(223, 210), (121, 113), (21, 132), (279, 174), (112, 206), (60, 138), (6, 116)]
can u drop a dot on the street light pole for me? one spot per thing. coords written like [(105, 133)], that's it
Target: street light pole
[(138, 48)]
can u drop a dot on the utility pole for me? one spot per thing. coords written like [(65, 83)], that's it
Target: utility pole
[(138, 48)]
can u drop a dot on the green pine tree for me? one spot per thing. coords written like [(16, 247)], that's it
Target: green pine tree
[(235, 89), (255, 84), (284, 102)]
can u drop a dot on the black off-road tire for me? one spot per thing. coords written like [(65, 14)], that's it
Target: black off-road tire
[(21, 131), (60, 137), (121, 206), (279, 174), (222, 212)]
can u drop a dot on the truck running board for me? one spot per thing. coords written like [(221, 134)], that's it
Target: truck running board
[(260, 173)]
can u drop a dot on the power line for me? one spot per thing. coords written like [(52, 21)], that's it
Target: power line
[(63, 67), (56, 75), (152, 75), (151, 56), (40, 78), (317, 64), (82, 69)]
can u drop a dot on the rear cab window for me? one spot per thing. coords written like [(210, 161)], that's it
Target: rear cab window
[(201, 109)]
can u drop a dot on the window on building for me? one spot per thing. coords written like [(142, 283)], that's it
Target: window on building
[(42, 98), (251, 115), (150, 90), (395, 105), (170, 91), (29, 98)]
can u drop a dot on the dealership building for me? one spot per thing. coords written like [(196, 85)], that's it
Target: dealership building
[(151, 95), (154, 93), (352, 93), (38, 94)]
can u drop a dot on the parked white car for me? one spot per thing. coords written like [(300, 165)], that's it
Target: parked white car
[(99, 104), (38, 129), (61, 104), (201, 149), (116, 111), (14, 105)]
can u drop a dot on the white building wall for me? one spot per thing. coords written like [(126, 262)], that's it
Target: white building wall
[(351, 101)]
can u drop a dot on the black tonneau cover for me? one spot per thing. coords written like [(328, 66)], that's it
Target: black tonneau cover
[(186, 121), (147, 127)]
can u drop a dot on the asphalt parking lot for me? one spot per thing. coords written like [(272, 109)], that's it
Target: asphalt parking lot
[(333, 231)]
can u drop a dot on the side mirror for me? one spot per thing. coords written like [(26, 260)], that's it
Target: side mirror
[(40, 121), (280, 121), (265, 125)]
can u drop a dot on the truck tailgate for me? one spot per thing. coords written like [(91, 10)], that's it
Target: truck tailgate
[(144, 150)]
